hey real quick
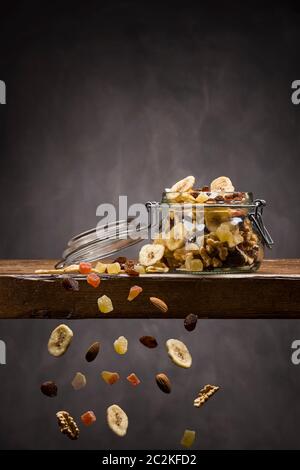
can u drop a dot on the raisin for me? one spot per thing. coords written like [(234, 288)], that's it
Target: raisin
[(69, 283), (190, 322)]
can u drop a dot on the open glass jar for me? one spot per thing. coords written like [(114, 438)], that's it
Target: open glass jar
[(196, 231), (206, 232)]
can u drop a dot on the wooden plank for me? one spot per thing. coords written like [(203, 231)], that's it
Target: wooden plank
[(273, 292)]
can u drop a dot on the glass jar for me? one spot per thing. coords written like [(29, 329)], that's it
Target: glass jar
[(207, 233), (199, 232)]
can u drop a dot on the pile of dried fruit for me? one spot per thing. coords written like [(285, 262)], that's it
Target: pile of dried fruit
[(117, 420)]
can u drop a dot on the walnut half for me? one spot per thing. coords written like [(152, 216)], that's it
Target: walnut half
[(67, 425)]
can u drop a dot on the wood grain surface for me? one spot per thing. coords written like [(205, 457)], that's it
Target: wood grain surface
[(272, 292)]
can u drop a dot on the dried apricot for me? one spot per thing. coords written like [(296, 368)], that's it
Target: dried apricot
[(110, 377)]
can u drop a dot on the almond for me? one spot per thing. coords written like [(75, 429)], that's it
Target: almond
[(163, 382), (93, 351), (160, 304)]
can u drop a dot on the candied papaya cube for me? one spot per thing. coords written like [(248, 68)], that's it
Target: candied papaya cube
[(88, 418), (133, 379), (93, 279), (85, 268)]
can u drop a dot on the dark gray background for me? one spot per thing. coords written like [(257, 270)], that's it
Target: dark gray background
[(124, 98)]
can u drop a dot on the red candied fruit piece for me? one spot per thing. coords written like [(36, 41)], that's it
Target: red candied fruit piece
[(85, 268), (133, 379), (93, 279), (88, 418)]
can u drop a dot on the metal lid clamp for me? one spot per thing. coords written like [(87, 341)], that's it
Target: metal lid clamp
[(257, 219)]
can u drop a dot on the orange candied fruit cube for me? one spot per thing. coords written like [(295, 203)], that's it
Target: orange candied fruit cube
[(88, 418), (85, 268), (93, 279), (133, 379)]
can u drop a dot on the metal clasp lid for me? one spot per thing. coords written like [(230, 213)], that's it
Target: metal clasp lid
[(257, 219)]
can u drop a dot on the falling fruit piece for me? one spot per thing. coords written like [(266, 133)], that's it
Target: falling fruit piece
[(85, 268), (105, 304), (117, 420), (88, 418), (134, 292), (93, 279), (110, 377), (188, 438), (133, 379), (121, 345), (79, 381)]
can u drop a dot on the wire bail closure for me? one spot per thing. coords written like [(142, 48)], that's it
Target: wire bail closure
[(257, 219)]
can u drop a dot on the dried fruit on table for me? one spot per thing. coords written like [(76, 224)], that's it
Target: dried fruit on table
[(179, 353), (110, 377), (49, 389), (79, 381), (105, 304), (93, 279), (60, 340), (121, 345), (133, 379), (88, 418), (188, 438), (71, 269), (67, 425), (160, 304), (150, 254), (93, 351), (148, 341), (113, 268), (100, 268), (190, 322), (117, 420), (163, 382), (69, 283), (134, 292), (85, 268), (205, 393)]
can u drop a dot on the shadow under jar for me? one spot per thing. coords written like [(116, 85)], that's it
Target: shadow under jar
[(204, 232)]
